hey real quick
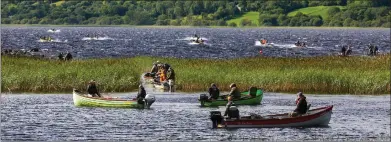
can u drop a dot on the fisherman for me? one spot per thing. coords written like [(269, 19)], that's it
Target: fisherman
[(371, 49), (170, 74), (301, 105), (343, 50), (61, 56), (235, 93), (214, 92), (375, 50), (298, 43), (92, 89), (349, 50), (229, 104), (141, 94), (263, 41), (68, 56), (155, 67)]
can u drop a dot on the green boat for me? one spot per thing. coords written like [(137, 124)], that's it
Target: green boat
[(245, 99), (80, 99)]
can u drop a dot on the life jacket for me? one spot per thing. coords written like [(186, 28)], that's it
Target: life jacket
[(263, 41), (162, 77)]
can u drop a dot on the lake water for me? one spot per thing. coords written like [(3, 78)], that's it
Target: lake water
[(53, 117), (174, 42)]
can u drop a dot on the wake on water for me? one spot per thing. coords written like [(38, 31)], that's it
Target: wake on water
[(55, 31), (97, 38), (55, 40), (258, 43)]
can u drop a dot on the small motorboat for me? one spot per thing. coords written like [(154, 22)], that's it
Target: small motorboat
[(80, 99), (244, 100), (315, 117)]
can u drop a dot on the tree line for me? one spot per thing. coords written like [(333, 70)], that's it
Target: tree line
[(194, 13)]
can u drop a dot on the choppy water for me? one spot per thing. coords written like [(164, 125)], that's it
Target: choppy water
[(178, 117), (174, 42)]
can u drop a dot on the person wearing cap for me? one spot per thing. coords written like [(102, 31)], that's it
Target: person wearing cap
[(155, 67), (229, 104), (141, 94), (301, 105), (214, 92), (235, 93), (92, 89)]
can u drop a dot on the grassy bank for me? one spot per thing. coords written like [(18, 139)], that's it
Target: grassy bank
[(316, 10), (332, 75), (252, 16)]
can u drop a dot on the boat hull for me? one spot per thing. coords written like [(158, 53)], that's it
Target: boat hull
[(82, 100), (221, 102), (315, 118)]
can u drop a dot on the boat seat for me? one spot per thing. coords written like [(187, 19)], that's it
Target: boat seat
[(253, 91)]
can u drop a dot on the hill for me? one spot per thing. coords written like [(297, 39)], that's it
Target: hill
[(251, 16), (317, 10)]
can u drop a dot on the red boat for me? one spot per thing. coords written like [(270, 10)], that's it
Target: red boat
[(315, 117)]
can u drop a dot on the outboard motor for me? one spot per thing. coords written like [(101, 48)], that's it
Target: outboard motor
[(216, 118), (203, 98), (233, 112), (149, 100)]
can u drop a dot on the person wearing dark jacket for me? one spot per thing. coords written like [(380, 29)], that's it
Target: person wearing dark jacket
[(235, 93), (301, 105), (214, 92), (68, 56), (170, 74), (92, 89), (343, 51), (141, 94)]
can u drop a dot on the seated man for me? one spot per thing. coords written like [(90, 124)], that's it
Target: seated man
[(301, 105), (229, 104), (141, 94), (92, 89), (235, 93), (214, 92)]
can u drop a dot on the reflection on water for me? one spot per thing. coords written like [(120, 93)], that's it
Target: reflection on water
[(175, 116)]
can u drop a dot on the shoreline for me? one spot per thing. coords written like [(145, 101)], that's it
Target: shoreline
[(313, 75), (168, 26)]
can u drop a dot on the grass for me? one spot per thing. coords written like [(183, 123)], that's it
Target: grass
[(317, 10), (253, 16), (319, 75), (59, 2)]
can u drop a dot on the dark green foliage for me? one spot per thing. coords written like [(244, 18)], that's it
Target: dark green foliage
[(197, 13)]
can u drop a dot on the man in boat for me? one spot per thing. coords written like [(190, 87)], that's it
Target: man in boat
[(349, 50), (301, 105), (68, 56), (298, 43), (170, 74), (214, 92), (61, 56), (92, 89), (229, 104), (235, 93), (343, 51), (263, 41), (141, 94), (155, 69)]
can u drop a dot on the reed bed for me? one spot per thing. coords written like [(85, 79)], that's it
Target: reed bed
[(318, 75)]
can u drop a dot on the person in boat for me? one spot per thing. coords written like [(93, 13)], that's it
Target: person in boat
[(141, 94), (61, 56), (170, 74), (301, 105), (162, 75), (92, 89), (229, 104), (343, 51), (68, 56), (298, 43), (214, 92), (155, 67), (263, 41), (234, 93), (348, 50)]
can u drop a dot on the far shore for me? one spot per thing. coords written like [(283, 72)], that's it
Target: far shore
[(169, 26)]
